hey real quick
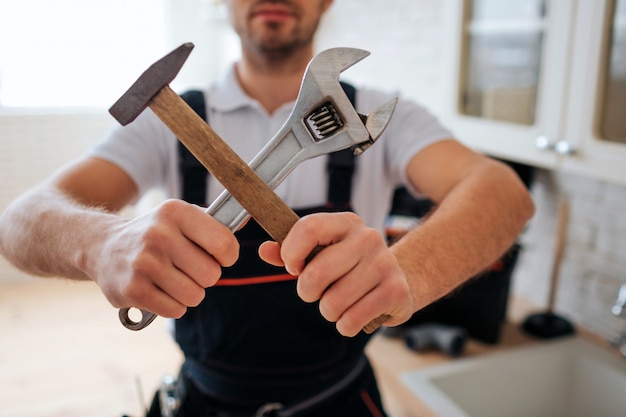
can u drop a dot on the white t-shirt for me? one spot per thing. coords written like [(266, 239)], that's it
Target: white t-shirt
[(147, 150)]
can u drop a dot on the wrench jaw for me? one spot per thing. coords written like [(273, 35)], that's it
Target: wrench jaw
[(330, 62), (323, 106), (375, 123), (319, 87)]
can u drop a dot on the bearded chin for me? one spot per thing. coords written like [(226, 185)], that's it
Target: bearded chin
[(278, 51), (277, 46)]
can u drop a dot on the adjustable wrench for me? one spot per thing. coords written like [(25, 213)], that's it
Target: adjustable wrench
[(323, 120)]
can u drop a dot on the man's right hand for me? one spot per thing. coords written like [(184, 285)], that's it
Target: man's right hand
[(68, 227), (163, 261)]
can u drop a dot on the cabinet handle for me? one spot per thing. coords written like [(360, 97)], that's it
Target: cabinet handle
[(563, 147), (544, 143)]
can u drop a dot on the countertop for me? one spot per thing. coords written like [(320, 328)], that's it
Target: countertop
[(65, 347)]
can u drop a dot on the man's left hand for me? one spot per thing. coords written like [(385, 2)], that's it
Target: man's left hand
[(356, 278)]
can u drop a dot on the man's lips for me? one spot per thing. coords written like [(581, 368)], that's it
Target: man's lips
[(273, 13)]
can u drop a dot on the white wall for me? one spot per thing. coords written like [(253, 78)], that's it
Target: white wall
[(33, 146), (405, 38)]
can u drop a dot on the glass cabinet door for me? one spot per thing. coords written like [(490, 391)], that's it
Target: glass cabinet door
[(502, 59), (613, 106), (596, 117), (508, 85)]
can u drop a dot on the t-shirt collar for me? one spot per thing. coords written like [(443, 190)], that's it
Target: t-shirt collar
[(228, 95)]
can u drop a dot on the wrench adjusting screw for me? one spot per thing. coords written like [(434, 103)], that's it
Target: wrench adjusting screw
[(324, 121)]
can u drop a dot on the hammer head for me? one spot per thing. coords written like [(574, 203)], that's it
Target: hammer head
[(160, 74)]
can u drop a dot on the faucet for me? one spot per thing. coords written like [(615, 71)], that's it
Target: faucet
[(618, 309)]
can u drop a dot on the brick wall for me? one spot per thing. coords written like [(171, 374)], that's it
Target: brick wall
[(405, 38), (594, 257)]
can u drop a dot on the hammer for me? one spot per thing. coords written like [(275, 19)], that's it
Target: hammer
[(240, 180)]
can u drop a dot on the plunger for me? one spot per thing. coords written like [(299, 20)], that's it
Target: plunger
[(549, 325)]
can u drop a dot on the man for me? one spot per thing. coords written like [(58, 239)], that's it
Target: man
[(274, 345)]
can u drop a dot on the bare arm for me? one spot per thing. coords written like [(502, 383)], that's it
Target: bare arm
[(482, 207), (161, 261), (47, 230)]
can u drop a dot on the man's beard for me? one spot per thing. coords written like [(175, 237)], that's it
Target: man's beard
[(273, 43), (279, 47)]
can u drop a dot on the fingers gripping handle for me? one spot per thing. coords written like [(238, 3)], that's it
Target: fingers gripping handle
[(147, 317)]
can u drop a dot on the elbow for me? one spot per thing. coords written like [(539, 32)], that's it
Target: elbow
[(526, 204), (4, 225), (523, 205), (529, 206), (515, 202)]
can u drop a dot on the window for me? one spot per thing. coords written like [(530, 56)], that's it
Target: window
[(70, 53)]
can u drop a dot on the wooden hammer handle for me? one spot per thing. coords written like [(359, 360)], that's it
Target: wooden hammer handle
[(224, 164), (269, 210)]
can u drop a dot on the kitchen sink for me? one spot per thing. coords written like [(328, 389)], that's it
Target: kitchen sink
[(569, 377)]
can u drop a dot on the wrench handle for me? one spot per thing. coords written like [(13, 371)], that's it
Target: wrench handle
[(267, 208), (146, 318)]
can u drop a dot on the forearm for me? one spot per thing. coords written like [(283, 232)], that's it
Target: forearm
[(472, 226), (46, 233)]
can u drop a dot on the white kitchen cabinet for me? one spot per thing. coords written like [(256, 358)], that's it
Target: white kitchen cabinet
[(596, 119), (531, 79)]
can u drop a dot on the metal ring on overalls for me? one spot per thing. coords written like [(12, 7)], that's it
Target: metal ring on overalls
[(268, 410)]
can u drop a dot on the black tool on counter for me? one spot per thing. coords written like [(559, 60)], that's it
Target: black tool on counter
[(431, 336), (549, 325)]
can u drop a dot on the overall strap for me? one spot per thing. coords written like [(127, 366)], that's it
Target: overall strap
[(193, 173), (341, 167), (194, 176)]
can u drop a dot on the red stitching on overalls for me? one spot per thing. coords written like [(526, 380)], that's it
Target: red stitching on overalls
[(370, 404), (234, 282)]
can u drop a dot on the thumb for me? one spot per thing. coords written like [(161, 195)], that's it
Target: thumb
[(270, 252)]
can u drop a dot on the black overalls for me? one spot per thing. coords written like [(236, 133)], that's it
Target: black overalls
[(253, 341)]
